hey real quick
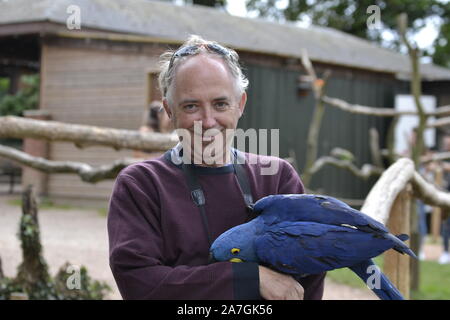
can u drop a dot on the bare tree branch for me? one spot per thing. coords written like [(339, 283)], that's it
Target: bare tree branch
[(375, 148), (440, 111), (86, 172), (306, 62), (342, 154), (359, 109), (418, 145), (379, 112), (312, 142), (366, 171), (416, 88), (17, 127), (439, 123), (435, 157)]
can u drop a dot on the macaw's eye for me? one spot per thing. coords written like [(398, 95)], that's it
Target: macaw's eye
[(235, 250)]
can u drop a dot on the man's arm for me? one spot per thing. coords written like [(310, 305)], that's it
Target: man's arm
[(279, 286), (137, 256)]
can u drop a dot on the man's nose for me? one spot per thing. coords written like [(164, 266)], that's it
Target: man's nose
[(208, 118)]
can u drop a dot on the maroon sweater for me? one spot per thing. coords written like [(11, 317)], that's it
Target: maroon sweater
[(158, 245)]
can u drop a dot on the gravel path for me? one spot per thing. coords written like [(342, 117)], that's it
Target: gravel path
[(80, 237)]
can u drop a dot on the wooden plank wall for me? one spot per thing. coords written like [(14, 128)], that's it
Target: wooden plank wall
[(94, 87), (273, 102)]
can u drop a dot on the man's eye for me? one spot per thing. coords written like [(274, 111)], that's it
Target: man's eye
[(221, 105), (190, 107)]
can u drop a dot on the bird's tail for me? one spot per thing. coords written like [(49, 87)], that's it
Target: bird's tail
[(400, 246), (379, 283)]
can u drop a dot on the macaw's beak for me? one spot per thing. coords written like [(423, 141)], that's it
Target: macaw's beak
[(211, 258)]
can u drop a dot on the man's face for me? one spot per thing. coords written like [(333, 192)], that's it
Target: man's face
[(204, 92)]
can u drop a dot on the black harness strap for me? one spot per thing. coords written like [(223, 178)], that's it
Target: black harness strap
[(198, 196), (243, 180)]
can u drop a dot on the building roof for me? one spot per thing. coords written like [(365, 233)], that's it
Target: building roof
[(164, 20)]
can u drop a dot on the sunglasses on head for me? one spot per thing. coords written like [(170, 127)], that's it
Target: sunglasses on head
[(190, 50)]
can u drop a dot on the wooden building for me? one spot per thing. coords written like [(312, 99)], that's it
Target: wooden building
[(105, 74)]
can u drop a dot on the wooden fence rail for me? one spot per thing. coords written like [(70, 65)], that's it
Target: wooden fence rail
[(389, 203)]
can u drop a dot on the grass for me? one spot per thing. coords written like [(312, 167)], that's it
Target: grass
[(434, 280)]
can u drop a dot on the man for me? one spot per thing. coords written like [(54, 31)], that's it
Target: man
[(160, 230)]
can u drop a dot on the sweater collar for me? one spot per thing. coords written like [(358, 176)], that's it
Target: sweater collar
[(175, 156)]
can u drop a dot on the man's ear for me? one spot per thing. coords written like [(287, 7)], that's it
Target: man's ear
[(242, 102), (167, 108)]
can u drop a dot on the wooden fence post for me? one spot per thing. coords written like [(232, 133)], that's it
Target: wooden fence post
[(396, 265), (37, 148), (436, 213)]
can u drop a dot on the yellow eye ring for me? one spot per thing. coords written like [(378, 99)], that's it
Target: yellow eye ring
[(235, 250)]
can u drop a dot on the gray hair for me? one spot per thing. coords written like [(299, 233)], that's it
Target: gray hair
[(167, 75)]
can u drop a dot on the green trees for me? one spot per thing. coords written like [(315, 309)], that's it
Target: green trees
[(27, 97), (351, 17)]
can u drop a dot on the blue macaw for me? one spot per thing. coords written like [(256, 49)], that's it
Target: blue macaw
[(303, 234)]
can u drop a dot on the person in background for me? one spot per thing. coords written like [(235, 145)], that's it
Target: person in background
[(427, 170), (445, 256), (155, 120), (445, 226)]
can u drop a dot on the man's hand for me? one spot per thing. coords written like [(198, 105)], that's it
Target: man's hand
[(278, 286)]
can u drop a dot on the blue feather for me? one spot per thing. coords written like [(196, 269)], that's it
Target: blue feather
[(376, 280), (310, 234)]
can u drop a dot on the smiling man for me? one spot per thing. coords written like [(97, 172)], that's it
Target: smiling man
[(205, 100), (164, 213)]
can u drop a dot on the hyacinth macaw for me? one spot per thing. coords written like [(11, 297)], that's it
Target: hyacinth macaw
[(302, 234)]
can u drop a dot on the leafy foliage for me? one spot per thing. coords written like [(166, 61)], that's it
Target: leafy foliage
[(25, 99), (33, 277), (441, 46), (89, 289), (56, 288), (4, 85)]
